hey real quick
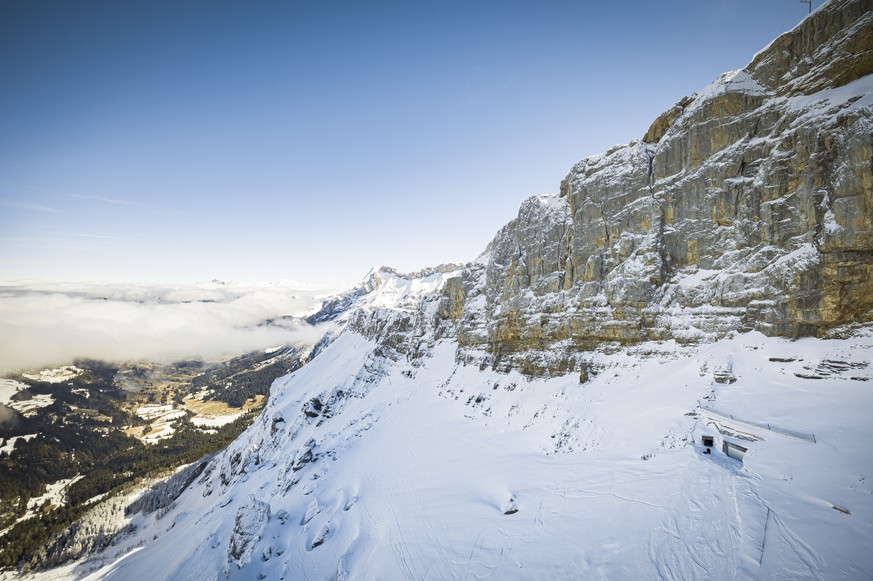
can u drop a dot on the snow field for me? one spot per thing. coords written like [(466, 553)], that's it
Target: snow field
[(57, 375), (410, 474), (8, 388), (30, 406)]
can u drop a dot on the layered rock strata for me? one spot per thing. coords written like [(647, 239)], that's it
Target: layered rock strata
[(747, 206)]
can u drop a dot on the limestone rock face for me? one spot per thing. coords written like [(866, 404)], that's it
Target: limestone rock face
[(665, 120), (831, 48), (746, 206)]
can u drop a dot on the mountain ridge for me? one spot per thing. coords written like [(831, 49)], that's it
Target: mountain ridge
[(493, 420)]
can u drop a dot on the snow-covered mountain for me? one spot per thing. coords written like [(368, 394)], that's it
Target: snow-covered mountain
[(368, 464), (540, 412)]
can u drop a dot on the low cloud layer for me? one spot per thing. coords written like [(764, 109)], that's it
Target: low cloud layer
[(46, 325), (7, 415)]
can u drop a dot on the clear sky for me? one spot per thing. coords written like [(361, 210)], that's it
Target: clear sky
[(175, 141)]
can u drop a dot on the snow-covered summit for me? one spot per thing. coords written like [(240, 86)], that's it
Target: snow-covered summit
[(384, 287)]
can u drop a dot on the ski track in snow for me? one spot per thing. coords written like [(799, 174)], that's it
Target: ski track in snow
[(793, 558), (700, 530)]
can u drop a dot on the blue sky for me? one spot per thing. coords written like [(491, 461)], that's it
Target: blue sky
[(170, 141)]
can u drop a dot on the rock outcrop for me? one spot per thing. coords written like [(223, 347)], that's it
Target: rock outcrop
[(748, 206), (251, 518)]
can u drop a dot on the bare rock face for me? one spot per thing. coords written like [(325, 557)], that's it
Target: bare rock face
[(830, 49), (746, 206)]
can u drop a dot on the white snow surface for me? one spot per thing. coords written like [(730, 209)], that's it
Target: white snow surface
[(400, 292), (153, 411), (215, 421), (55, 495), (57, 375), (411, 472), (738, 81), (9, 446), (30, 406), (8, 388)]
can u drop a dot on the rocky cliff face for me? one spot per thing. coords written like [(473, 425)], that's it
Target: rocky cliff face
[(747, 206)]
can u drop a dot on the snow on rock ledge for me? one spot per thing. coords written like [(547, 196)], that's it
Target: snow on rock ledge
[(252, 517)]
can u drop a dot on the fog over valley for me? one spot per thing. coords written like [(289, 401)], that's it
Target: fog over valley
[(43, 325)]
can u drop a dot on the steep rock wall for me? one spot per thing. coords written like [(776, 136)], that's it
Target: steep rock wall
[(747, 206)]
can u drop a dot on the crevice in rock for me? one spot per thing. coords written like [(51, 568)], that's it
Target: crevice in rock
[(650, 172)]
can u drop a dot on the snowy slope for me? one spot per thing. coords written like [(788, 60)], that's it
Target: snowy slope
[(406, 472)]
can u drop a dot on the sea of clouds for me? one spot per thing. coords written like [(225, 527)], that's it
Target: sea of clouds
[(49, 324)]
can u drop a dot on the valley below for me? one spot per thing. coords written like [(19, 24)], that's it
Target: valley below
[(74, 436)]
